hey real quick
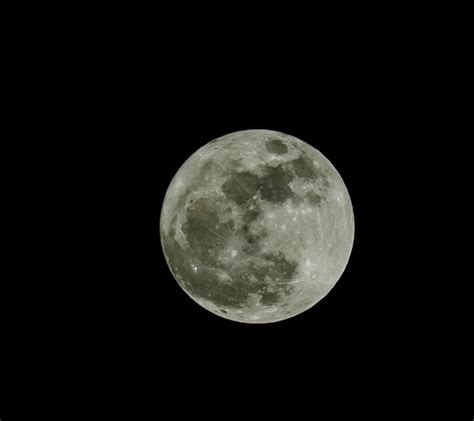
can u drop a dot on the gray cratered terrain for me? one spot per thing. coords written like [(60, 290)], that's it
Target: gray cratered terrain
[(257, 226)]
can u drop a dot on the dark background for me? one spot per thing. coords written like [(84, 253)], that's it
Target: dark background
[(96, 316)]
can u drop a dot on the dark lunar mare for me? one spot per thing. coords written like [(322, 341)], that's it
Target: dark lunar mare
[(276, 146), (205, 237), (252, 278), (240, 187), (274, 184)]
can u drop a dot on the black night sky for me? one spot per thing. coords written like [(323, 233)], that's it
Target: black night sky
[(102, 312)]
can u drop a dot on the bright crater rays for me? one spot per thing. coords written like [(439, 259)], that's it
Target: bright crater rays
[(257, 226)]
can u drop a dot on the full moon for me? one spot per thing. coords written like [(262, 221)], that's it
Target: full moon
[(257, 226)]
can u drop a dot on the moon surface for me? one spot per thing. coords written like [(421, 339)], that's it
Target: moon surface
[(257, 226)]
